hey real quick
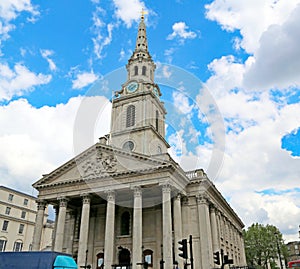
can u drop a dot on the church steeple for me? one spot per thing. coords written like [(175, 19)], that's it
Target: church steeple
[(140, 65), (141, 41), (138, 115)]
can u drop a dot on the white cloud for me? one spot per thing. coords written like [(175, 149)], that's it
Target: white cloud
[(129, 11), (19, 80), (227, 73), (254, 160), (101, 40), (10, 10), (84, 79), (269, 30), (251, 18), (181, 102), (277, 60), (180, 31), (46, 55), (26, 133)]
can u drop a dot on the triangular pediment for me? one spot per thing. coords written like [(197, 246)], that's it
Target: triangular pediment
[(102, 161)]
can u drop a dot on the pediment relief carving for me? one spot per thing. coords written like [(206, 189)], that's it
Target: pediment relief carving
[(98, 164)]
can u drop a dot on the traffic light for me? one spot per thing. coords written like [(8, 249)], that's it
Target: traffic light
[(227, 260), (217, 258), (183, 248)]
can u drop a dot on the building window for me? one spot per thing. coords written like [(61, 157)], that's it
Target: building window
[(5, 225), (25, 202), (159, 151), (21, 228), (148, 257), (136, 71), (7, 210), (18, 246), (2, 244), (296, 246), (144, 71), (10, 197), (125, 223), (23, 214), (130, 116), (128, 145)]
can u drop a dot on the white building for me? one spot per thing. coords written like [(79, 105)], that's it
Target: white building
[(17, 221), (124, 200)]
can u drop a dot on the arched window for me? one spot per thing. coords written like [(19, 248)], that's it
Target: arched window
[(156, 120), (3, 242), (125, 223), (130, 116), (136, 71), (18, 245), (124, 257), (144, 70)]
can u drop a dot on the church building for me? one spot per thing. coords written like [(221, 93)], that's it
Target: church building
[(125, 202)]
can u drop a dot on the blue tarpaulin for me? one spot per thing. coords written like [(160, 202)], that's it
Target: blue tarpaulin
[(36, 260)]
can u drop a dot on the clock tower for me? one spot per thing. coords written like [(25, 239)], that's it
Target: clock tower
[(138, 115)]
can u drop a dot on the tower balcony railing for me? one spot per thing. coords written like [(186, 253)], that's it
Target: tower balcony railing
[(195, 174)]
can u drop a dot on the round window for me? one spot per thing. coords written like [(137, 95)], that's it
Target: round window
[(129, 145)]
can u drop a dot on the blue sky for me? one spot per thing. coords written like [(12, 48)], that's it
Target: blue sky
[(229, 75)]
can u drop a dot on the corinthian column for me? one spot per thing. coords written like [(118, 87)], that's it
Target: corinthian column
[(84, 230), (59, 236), (137, 229), (167, 226), (205, 232), (41, 205), (109, 230)]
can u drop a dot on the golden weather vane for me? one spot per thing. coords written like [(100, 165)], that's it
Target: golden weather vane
[(143, 12)]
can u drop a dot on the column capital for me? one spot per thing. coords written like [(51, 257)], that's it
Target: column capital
[(178, 196), (86, 198), (202, 199), (137, 191), (63, 201), (213, 208), (41, 204), (166, 187), (111, 195)]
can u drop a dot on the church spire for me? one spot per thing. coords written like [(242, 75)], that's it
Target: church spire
[(141, 40), (141, 47), (140, 65)]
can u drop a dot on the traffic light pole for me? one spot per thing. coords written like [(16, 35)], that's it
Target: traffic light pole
[(191, 252)]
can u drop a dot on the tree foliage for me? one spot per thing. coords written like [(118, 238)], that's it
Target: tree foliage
[(262, 246)]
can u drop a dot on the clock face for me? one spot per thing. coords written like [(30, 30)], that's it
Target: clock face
[(132, 87)]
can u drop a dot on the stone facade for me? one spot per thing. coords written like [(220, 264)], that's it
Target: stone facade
[(18, 213), (124, 200)]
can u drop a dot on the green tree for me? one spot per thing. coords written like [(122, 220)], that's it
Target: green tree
[(262, 244)]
